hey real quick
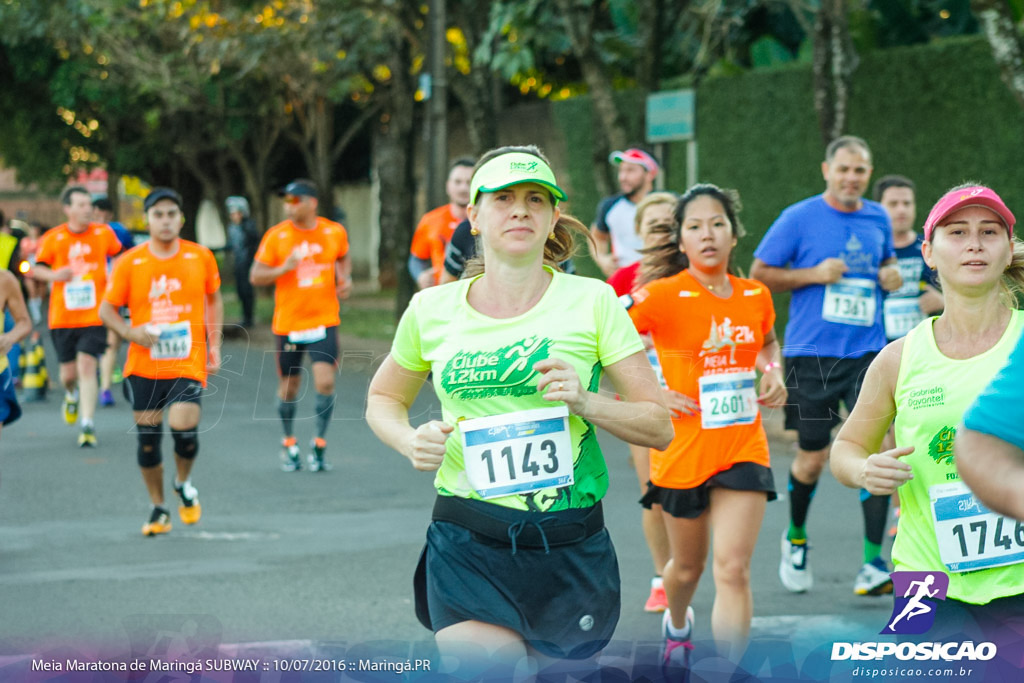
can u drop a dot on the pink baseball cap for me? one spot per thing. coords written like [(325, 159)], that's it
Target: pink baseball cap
[(635, 156), (954, 200)]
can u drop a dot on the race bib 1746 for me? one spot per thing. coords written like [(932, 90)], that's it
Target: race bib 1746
[(970, 535)]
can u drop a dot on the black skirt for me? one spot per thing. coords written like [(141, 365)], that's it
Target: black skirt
[(552, 577), (691, 503)]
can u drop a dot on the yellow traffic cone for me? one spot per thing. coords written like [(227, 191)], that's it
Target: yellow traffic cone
[(34, 380)]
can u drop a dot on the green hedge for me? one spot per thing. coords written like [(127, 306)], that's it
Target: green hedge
[(937, 113)]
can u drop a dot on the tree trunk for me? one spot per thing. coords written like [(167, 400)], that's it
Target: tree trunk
[(656, 20), (313, 135), (204, 185), (253, 163), (476, 92), (394, 144), (996, 21), (323, 172), (114, 192), (579, 17), (834, 63)]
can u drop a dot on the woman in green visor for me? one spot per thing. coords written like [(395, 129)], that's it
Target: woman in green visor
[(517, 561)]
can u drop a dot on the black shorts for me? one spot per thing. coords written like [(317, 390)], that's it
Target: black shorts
[(563, 599), (289, 355), (70, 341), (156, 394), (816, 385), (691, 503)]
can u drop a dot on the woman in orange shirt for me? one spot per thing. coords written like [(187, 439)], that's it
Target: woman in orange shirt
[(711, 330)]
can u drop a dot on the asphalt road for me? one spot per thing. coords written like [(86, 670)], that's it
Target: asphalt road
[(307, 562)]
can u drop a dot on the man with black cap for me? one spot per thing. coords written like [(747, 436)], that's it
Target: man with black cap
[(614, 231), (171, 288), (306, 259)]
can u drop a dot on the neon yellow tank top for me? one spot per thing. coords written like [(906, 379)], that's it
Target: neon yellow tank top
[(932, 394)]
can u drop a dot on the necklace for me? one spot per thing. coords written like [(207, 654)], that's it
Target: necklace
[(708, 286)]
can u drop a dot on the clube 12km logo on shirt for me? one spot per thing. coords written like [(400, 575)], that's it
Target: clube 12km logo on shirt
[(913, 613)]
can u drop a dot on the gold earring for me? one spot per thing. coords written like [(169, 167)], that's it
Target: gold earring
[(551, 235), (474, 232)]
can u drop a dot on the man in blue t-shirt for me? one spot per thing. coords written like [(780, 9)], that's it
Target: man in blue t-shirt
[(918, 297), (834, 251)]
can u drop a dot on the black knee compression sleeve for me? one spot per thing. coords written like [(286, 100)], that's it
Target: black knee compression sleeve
[(149, 445), (186, 443)]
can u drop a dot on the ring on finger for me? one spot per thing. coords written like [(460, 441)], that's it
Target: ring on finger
[(561, 386)]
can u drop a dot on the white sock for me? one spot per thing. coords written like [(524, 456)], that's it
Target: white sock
[(657, 582), (86, 422), (677, 633)]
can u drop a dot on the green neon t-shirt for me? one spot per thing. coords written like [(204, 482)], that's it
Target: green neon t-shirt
[(483, 366), (931, 394)]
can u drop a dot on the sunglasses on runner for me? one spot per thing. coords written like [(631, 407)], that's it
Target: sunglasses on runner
[(292, 199)]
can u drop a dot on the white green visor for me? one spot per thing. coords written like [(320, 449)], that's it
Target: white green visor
[(514, 168)]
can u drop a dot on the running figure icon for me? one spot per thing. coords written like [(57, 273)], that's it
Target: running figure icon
[(915, 607)]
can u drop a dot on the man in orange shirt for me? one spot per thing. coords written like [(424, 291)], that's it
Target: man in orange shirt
[(306, 259), (171, 288), (73, 256), (426, 254)]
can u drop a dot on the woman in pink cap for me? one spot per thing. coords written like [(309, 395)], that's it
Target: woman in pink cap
[(922, 384)]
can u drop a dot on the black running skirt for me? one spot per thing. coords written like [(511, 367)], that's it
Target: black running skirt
[(558, 586), (691, 503)]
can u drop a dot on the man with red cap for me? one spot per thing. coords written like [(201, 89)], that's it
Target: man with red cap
[(614, 232)]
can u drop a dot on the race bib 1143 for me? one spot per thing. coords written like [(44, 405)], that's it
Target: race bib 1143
[(518, 452)]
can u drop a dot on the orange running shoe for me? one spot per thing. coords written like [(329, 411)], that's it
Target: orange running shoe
[(190, 511), (159, 523)]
